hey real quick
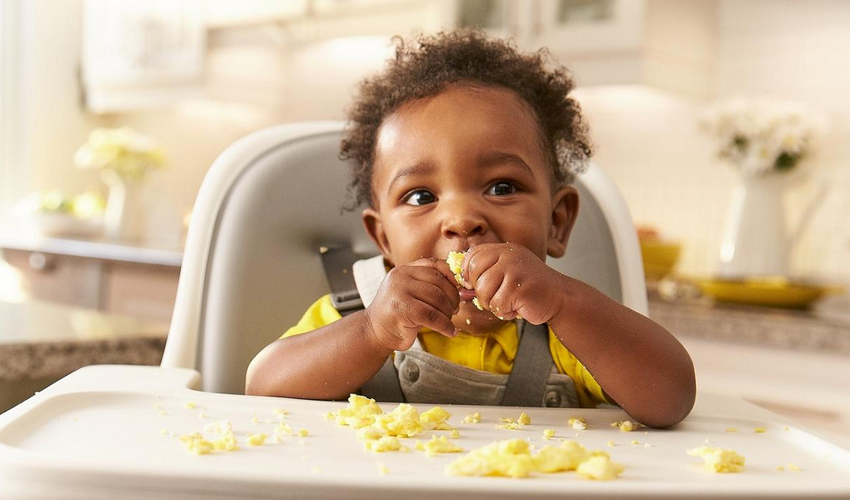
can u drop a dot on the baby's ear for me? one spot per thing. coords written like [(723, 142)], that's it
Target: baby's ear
[(564, 213), (375, 229)]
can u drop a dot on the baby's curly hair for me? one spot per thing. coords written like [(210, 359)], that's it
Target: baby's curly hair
[(431, 63)]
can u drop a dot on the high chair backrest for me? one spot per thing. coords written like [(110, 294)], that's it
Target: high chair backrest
[(252, 266)]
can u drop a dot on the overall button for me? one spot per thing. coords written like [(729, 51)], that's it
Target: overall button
[(410, 371), (552, 399)]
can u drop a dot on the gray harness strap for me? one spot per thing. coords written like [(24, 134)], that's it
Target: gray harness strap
[(532, 366), (384, 385)]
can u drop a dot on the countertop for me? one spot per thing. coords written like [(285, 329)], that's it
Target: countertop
[(799, 330), (141, 252), (41, 340)]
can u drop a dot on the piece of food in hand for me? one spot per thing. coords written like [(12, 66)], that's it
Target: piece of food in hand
[(455, 260)]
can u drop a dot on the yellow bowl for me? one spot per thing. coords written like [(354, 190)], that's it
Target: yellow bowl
[(659, 257), (772, 292)]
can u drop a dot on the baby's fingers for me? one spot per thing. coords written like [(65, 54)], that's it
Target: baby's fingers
[(431, 317)]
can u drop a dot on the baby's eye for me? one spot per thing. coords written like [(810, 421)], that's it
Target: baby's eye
[(502, 189), (419, 197)]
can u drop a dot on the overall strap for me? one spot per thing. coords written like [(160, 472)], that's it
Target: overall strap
[(532, 366)]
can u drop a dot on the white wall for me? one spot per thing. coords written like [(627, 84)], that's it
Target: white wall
[(53, 121), (650, 143)]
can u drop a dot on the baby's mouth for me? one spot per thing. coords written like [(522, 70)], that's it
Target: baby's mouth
[(466, 294)]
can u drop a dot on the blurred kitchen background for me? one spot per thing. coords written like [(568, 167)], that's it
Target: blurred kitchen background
[(192, 76)]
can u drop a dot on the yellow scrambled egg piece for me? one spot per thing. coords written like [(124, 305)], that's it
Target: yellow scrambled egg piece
[(599, 467), (360, 412), (257, 439), (382, 469), (577, 423), (514, 424), (568, 456), (227, 442), (718, 459), (548, 434), (513, 458), (402, 421), (436, 418), (454, 434), (760, 430), (386, 443), (190, 406), (472, 418), (197, 444), (303, 433), (454, 260), (438, 445), (625, 425)]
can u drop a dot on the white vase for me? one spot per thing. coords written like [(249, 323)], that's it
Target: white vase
[(755, 239), (123, 218)]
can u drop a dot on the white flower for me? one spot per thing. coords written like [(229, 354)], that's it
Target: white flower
[(125, 152), (760, 136)]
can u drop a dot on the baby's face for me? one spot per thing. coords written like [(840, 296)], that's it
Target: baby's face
[(459, 169)]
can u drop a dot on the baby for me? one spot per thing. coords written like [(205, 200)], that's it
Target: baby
[(464, 144)]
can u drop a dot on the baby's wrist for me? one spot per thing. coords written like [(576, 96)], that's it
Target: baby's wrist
[(373, 337)]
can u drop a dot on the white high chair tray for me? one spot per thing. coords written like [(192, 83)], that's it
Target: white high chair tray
[(99, 433)]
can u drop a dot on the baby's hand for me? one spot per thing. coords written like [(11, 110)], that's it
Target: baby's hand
[(511, 281), (420, 294)]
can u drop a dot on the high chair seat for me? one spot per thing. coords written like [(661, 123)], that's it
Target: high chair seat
[(252, 264)]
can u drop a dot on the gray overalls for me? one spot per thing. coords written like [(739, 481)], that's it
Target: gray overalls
[(415, 376)]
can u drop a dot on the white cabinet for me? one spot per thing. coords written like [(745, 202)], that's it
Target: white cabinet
[(141, 54), (666, 44)]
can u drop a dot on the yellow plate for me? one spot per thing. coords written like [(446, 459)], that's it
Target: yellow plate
[(774, 292)]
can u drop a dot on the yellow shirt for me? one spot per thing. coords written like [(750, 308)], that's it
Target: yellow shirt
[(492, 353)]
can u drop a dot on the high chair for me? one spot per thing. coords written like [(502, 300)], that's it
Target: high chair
[(252, 263)]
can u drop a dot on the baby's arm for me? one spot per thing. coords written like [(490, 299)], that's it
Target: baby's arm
[(336, 360), (638, 363)]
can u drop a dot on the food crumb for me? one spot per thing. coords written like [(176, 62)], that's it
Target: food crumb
[(577, 423), (190, 405), (719, 460), (635, 441), (257, 439), (472, 418), (382, 469), (760, 430), (793, 468), (625, 425), (731, 429), (610, 444), (303, 432), (548, 434), (163, 413)]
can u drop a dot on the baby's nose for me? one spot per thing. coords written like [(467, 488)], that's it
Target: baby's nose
[(463, 220)]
